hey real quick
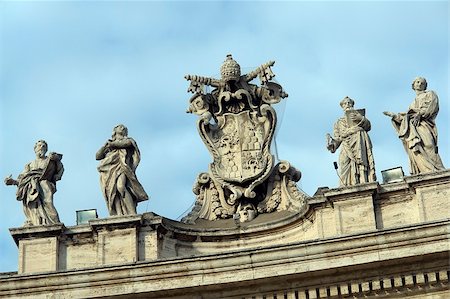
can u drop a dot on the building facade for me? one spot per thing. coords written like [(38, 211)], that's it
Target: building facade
[(369, 240)]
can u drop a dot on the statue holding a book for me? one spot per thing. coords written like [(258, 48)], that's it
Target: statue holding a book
[(37, 184), (356, 163)]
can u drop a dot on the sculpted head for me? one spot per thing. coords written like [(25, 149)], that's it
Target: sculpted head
[(247, 212), (419, 84), (230, 69), (40, 148), (120, 130), (347, 103)]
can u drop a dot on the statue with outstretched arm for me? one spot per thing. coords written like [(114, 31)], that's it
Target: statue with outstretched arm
[(37, 184), (417, 129)]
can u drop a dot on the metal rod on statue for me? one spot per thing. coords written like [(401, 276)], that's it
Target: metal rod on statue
[(336, 168)]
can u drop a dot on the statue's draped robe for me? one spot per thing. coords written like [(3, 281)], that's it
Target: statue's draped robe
[(117, 162), (355, 159), (36, 186), (420, 141)]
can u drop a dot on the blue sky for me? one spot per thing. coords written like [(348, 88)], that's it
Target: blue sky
[(70, 71)]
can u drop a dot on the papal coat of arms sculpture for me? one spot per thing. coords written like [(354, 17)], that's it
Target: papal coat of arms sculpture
[(237, 124)]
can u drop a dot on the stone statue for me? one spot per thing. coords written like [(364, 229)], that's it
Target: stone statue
[(350, 133), (237, 124), (37, 184), (417, 129), (119, 158)]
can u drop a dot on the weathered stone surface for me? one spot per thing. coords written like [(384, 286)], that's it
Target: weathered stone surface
[(118, 246), (419, 198), (333, 212), (38, 255), (276, 254), (78, 255), (149, 246), (301, 266), (355, 214), (38, 248)]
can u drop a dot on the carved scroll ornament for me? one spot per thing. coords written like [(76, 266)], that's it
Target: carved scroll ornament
[(237, 125)]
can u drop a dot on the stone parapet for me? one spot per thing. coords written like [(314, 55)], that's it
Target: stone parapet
[(332, 213), (114, 240), (370, 239), (412, 259), (419, 198)]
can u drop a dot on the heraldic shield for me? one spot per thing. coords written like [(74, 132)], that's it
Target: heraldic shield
[(237, 124), (240, 146)]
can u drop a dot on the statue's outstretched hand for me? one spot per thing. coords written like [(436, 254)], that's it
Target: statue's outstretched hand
[(10, 181), (390, 114)]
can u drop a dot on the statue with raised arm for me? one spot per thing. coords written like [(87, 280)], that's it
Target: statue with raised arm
[(119, 158), (37, 184), (356, 161), (417, 129), (237, 124)]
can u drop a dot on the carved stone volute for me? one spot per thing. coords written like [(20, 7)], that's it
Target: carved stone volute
[(237, 124)]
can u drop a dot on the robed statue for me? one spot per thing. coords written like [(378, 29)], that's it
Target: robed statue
[(237, 125), (417, 129), (37, 184), (119, 157), (356, 163)]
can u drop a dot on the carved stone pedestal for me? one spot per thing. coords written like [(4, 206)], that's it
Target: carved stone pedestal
[(38, 247), (110, 241)]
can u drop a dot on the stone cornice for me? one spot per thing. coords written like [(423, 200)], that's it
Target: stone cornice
[(36, 231), (390, 245)]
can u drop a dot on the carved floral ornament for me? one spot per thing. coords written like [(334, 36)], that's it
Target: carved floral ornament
[(237, 124)]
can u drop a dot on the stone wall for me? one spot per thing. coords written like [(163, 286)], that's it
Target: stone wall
[(367, 240)]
